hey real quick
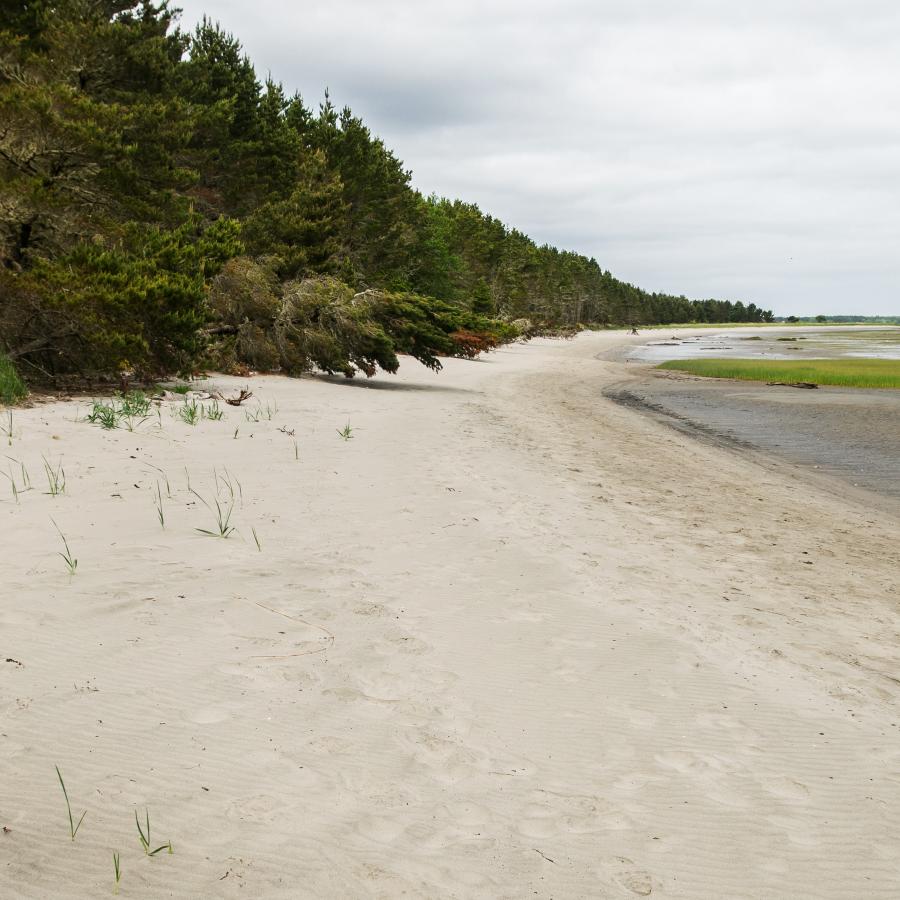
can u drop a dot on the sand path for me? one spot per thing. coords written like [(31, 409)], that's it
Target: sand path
[(511, 640)]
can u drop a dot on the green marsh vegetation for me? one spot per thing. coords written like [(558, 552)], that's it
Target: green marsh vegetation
[(860, 373)]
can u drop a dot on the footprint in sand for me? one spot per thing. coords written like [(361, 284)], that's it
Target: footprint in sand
[(634, 880), (260, 808), (681, 761), (447, 760), (209, 715), (786, 788)]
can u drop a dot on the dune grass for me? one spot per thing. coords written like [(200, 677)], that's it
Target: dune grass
[(73, 828), (860, 373), (12, 388)]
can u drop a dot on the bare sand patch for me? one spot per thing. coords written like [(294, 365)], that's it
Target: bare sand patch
[(509, 640)]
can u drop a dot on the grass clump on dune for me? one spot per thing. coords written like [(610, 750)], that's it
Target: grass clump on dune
[(860, 373), (12, 388)]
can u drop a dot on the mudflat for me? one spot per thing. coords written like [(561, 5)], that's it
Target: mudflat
[(511, 639), (848, 433)]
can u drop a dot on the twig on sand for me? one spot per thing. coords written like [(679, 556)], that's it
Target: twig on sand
[(543, 856), (322, 628)]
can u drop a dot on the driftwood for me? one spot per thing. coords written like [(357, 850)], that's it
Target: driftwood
[(809, 385), (239, 399)]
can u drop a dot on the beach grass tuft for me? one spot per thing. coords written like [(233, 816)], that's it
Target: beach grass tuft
[(144, 835), (223, 527), (160, 512), (261, 413), (212, 411), (106, 415), (859, 373), (73, 828), (6, 427), (14, 486), (190, 411), (69, 560), (56, 478)]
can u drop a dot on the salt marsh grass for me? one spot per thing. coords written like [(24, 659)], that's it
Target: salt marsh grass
[(859, 373)]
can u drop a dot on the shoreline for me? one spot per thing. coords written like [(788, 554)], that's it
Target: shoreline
[(720, 412), (573, 651)]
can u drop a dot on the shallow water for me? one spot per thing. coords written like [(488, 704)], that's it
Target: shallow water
[(847, 433), (796, 343)]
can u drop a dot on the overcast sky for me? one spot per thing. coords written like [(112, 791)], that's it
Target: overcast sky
[(739, 150)]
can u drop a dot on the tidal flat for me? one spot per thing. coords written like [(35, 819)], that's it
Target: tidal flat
[(849, 433)]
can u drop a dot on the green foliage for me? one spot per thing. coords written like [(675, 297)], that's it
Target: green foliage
[(104, 414), (322, 323), (138, 163), (12, 388), (138, 305), (304, 230)]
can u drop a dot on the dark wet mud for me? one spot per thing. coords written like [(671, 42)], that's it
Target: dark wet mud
[(848, 434)]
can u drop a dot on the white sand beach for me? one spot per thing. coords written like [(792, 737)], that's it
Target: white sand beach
[(510, 640)]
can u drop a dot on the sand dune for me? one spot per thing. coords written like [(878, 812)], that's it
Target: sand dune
[(510, 640)]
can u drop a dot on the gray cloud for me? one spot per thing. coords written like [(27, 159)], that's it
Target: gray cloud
[(746, 151)]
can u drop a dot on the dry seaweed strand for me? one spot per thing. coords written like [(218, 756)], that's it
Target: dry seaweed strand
[(322, 628)]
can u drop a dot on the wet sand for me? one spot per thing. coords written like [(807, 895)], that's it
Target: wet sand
[(845, 433)]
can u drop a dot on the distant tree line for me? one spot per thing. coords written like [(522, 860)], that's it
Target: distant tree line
[(161, 207), (850, 320)]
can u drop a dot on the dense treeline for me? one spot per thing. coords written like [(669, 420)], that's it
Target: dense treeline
[(161, 207)]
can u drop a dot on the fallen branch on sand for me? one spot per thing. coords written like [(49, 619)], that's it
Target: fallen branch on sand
[(239, 399)]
